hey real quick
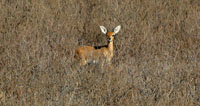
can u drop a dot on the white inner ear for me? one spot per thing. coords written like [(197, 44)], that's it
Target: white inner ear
[(103, 29), (116, 30)]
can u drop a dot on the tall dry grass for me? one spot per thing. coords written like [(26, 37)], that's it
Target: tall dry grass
[(156, 59)]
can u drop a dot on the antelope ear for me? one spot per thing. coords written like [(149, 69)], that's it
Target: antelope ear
[(103, 29), (116, 30)]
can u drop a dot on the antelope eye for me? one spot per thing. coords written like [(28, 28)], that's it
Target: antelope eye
[(109, 39)]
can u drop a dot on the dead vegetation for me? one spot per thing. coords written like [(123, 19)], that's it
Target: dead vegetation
[(156, 54)]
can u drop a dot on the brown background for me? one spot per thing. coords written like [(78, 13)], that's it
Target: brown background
[(156, 59)]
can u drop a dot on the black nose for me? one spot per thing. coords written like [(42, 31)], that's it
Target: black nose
[(109, 39)]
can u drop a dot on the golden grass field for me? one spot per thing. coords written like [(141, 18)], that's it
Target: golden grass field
[(156, 53)]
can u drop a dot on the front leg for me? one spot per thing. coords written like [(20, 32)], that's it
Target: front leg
[(109, 63)]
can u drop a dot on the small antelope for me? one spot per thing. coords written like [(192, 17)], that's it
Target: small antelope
[(87, 54)]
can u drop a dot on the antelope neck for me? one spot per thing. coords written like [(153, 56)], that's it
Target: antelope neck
[(110, 46)]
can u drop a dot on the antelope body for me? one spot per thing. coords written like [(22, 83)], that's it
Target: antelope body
[(96, 54)]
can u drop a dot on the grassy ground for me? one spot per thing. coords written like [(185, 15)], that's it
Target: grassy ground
[(156, 54)]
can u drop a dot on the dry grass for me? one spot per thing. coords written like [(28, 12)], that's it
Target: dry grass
[(156, 62)]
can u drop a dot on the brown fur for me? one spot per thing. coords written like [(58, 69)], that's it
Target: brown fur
[(88, 54)]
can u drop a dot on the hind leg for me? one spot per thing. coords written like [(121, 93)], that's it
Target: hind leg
[(83, 62), (81, 59)]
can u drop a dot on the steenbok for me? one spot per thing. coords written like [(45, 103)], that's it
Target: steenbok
[(96, 54)]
